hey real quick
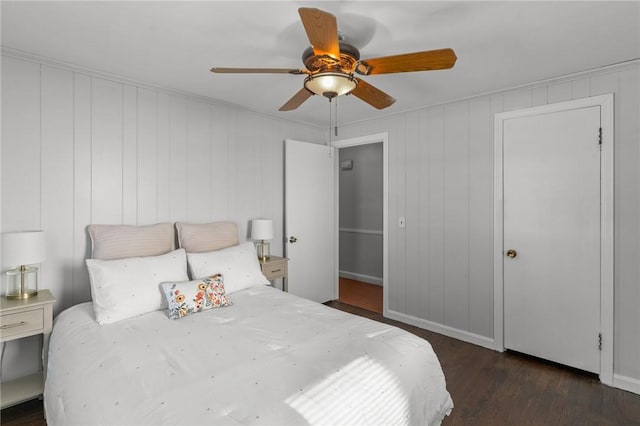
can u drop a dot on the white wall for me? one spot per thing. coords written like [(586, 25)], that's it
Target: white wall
[(80, 149), (441, 179), (361, 203)]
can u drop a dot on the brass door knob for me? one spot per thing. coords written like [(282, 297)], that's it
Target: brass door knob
[(512, 253)]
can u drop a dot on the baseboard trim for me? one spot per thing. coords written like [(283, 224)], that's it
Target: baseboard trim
[(465, 336), (626, 383), (360, 277)]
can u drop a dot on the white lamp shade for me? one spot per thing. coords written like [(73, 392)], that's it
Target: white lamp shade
[(23, 248), (262, 229)]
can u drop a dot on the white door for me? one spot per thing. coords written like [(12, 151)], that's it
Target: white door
[(310, 220), (552, 223)]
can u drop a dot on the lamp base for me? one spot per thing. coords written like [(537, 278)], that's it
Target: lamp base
[(263, 250), (25, 295), (22, 283)]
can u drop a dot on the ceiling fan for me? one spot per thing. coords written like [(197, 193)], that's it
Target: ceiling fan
[(331, 62)]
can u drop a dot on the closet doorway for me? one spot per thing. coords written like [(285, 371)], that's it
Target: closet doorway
[(361, 176)]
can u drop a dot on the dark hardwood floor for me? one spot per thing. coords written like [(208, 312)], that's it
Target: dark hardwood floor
[(493, 388), (487, 387)]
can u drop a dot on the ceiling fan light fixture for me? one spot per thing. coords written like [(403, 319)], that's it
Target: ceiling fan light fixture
[(331, 84)]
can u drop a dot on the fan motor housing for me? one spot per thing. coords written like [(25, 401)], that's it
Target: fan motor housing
[(349, 57)]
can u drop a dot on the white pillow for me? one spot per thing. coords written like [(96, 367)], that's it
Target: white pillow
[(129, 287), (238, 264)]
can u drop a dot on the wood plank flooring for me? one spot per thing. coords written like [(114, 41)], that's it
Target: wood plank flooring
[(487, 387), (492, 388), (363, 295)]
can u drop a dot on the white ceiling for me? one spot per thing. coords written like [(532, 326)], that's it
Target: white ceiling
[(174, 44)]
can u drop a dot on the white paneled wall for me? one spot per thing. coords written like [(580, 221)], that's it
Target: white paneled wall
[(441, 180), (80, 149)]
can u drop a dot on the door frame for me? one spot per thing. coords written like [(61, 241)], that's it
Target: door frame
[(606, 221), (364, 140)]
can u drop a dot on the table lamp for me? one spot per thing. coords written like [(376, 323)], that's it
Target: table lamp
[(20, 249), (262, 230)]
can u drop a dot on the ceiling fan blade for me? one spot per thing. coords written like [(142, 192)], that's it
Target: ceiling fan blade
[(322, 30), (372, 95), (297, 100), (258, 70), (419, 61)]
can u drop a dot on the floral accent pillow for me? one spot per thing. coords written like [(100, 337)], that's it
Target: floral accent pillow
[(190, 297)]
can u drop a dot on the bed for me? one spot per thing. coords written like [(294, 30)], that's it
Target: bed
[(261, 356)]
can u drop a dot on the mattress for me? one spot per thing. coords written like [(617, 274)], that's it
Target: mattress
[(270, 358)]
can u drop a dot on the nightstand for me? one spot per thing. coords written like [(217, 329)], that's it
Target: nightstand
[(275, 267), (19, 319)]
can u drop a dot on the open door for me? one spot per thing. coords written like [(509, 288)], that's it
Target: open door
[(310, 220)]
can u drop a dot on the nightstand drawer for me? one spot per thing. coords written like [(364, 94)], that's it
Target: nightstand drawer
[(21, 323), (275, 270)]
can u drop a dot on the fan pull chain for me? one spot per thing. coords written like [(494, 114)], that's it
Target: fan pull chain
[(336, 121), (330, 123)]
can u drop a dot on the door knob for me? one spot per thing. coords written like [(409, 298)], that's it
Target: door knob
[(512, 253), (292, 240)]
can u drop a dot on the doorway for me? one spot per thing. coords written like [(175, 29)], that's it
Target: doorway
[(361, 194), (553, 226)]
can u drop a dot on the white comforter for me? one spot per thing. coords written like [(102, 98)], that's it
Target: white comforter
[(271, 358)]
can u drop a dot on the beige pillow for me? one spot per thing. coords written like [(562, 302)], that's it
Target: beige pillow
[(199, 238), (110, 242)]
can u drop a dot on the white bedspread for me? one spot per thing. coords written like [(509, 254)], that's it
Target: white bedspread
[(271, 358)]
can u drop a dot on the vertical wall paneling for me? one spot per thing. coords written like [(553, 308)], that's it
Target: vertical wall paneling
[(81, 185), (106, 155), (457, 299), (423, 196), (412, 213), (57, 182), (246, 168), (397, 246), (456, 215), (21, 178), (436, 215), (480, 217), (219, 167), (199, 151), (628, 208), (560, 92), (163, 163), (198, 155), (179, 161), (80, 149), (272, 178), (20, 145), (147, 156), (129, 155), (258, 146), (580, 88), (518, 99), (232, 200), (538, 96)]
